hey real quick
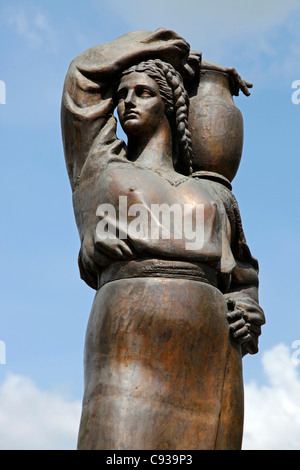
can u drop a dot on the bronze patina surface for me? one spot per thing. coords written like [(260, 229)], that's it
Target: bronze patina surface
[(172, 317)]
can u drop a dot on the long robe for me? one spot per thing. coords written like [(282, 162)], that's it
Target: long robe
[(161, 369)]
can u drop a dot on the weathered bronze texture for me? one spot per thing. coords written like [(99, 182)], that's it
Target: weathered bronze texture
[(172, 318), (216, 125)]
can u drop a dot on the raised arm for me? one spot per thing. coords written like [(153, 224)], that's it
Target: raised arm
[(89, 127)]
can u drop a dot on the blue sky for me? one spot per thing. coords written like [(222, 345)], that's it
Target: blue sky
[(44, 306)]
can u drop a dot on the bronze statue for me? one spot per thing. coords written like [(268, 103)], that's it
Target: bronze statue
[(173, 315)]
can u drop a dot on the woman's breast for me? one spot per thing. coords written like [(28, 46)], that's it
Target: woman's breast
[(166, 217)]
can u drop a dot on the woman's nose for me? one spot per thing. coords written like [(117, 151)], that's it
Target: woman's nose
[(130, 98)]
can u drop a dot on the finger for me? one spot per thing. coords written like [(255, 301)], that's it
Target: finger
[(239, 82), (105, 247), (255, 318), (243, 339), (234, 315), (237, 325), (242, 335), (117, 253), (243, 85), (126, 250), (111, 247), (112, 251), (245, 90)]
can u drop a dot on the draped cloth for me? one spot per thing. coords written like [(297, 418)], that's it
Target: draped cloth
[(87, 102), (134, 332)]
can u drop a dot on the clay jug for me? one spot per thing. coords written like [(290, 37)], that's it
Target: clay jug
[(216, 126)]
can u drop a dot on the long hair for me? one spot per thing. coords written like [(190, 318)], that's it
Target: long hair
[(176, 102)]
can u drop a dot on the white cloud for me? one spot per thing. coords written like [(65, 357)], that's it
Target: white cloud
[(230, 12), (33, 25), (232, 31), (216, 18), (32, 419), (272, 412)]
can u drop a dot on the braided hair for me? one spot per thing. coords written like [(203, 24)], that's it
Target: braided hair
[(176, 102)]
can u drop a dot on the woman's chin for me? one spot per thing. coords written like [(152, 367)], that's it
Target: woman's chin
[(132, 127)]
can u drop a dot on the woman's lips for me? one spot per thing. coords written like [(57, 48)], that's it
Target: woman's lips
[(130, 115)]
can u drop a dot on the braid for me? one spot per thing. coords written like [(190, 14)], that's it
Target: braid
[(181, 105), (176, 102)]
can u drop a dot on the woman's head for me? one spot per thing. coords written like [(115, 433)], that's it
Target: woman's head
[(168, 83), (141, 109)]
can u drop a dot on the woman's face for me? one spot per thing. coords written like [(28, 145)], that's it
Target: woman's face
[(140, 107)]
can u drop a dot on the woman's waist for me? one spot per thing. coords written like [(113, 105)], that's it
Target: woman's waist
[(175, 269)]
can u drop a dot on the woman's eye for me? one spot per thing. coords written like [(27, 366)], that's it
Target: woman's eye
[(120, 96), (144, 93)]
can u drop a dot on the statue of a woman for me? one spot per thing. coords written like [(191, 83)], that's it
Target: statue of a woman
[(172, 316)]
